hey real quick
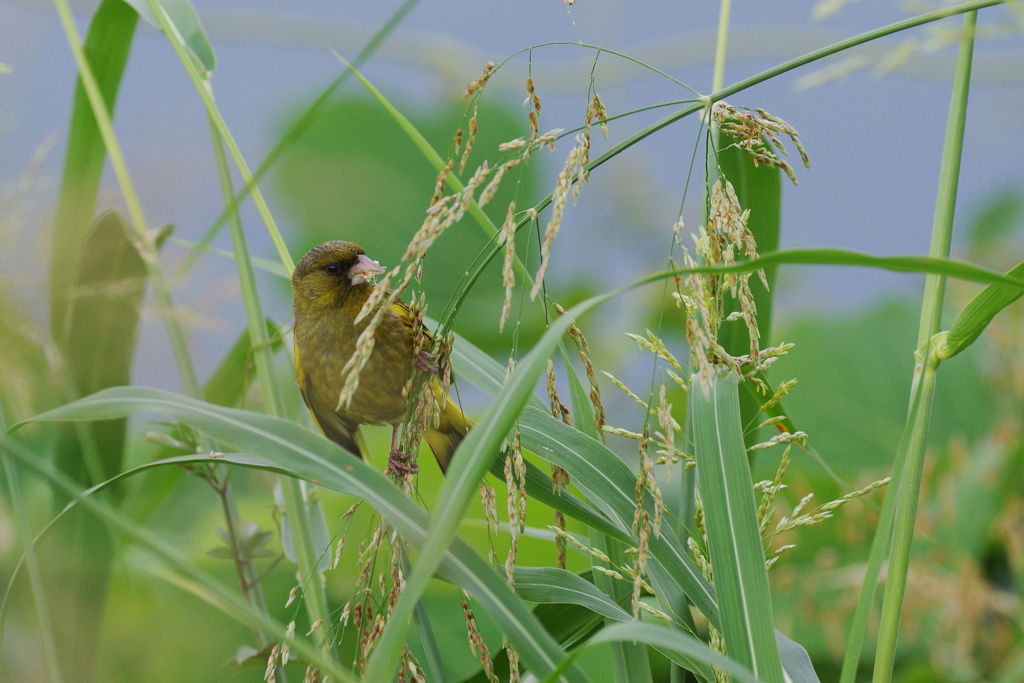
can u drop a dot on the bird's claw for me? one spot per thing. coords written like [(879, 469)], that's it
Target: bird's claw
[(398, 463), (426, 362)]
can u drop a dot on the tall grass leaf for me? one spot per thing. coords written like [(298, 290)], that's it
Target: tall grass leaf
[(582, 408), (911, 455), (107, 46), (734, 541), (292, 450), (900, 264), (187, 25), (473, 364), (977, 314)]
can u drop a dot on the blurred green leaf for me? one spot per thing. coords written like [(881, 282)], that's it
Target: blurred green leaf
[(106, 47), (852, 401), (185, 20), (996, 219), (220, 553), (103, 320)]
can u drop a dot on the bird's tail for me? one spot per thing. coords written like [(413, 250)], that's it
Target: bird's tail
[(443, 440)]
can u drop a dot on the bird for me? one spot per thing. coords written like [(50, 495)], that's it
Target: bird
[(330, 284)]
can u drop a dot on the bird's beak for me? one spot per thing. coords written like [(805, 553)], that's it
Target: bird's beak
[(364, 270)]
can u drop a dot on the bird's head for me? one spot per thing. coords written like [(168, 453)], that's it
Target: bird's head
[(333, 273)]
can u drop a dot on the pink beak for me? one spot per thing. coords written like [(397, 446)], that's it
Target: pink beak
[(364, 270)]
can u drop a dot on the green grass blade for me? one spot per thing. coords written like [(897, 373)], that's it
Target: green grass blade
[(538, 486), (976, 315), (629, 660), (902, 264), (476, 366), (795, 660), (303, 524), (434, 666), (734, 541), (107, 46)]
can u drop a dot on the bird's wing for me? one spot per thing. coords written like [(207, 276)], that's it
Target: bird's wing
[(334, 426), (403, 311)]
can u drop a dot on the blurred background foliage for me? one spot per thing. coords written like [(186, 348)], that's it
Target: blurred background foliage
[(353, 174)]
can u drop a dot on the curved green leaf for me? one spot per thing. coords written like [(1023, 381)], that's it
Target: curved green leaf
[(553, 585), (678, 645)]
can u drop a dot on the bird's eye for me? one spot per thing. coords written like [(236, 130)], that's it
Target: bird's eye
[(333, 268)]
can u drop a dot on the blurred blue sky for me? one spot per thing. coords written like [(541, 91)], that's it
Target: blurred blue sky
[(875, 141)]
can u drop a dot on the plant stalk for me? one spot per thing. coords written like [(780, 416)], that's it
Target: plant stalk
[(923, 388), (295, 500)]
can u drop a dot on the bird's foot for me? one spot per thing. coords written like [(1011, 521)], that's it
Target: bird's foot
[(427, 362), (399, 463)]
